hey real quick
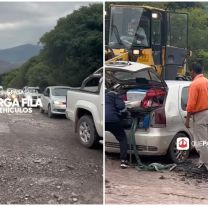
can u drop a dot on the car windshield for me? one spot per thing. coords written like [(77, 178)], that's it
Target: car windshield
[(59, 91), (129, 27), (32, 90)]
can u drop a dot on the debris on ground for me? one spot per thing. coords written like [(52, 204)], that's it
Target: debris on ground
[(189, 170), (162, 177), (185, 184)]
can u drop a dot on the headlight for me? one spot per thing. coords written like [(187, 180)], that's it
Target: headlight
[(13, 96), (57, 102), (136, 52)]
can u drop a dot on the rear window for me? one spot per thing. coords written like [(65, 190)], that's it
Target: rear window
[(184, 98), (60, 91), (31, 90), (141, 77), (92, 84), (126, 76)]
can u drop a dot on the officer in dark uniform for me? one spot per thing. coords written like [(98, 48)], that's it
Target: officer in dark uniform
[(113, 106)]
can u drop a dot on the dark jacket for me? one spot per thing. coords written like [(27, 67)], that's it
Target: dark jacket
[(113, 105)]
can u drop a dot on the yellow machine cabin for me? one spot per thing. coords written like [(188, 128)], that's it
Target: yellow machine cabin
[(150, 36)]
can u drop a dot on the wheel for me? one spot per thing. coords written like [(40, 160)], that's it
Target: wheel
[(50, 114), (41, 110), (87, 132), (177, 156)]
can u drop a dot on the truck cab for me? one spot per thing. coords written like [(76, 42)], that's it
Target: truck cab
[(85, 109), (150, 36)]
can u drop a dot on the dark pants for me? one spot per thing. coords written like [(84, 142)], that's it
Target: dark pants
[(118, 131)]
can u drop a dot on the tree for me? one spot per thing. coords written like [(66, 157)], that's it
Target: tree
[(74, 47), (71, 51)]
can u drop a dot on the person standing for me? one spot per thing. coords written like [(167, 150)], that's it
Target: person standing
[(197, 106), (113, 105)]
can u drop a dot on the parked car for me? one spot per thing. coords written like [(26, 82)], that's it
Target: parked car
[(2, 93), (31, 93), (166, 117), (11, 93), (85, 109), (54, 100)]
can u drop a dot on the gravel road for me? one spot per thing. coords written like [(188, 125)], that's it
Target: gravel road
[(180, 186), (42, 162)]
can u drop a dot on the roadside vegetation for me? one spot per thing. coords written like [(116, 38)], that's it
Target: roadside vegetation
[(71, 51)]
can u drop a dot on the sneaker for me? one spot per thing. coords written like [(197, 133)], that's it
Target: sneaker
[(124, 164)]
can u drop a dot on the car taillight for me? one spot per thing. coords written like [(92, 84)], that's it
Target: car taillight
[(158, 118), (153, 97)]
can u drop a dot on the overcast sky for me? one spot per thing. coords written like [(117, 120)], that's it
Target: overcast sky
[(26, 22)]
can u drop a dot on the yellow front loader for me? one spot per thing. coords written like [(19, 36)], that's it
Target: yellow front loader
[(148, 35)]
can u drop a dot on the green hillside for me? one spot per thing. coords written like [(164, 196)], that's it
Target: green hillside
[(71, 51)]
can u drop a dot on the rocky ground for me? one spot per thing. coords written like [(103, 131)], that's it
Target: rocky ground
[(42, 162), (183, 185)]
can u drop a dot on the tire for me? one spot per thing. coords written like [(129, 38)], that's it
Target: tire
[(87, 133), (41, 110), (50, 114), (173, 152)]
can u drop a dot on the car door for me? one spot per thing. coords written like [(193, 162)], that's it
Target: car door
[(94, 85), (183, 98), (45, 98)]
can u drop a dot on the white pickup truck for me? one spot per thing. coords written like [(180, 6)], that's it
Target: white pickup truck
[(85, 109)]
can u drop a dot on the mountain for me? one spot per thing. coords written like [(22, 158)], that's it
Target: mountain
[(13, 57), (19, 54), (6, 66)]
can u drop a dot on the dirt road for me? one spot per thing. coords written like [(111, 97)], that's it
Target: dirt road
[(41, 161), (143, 187)]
